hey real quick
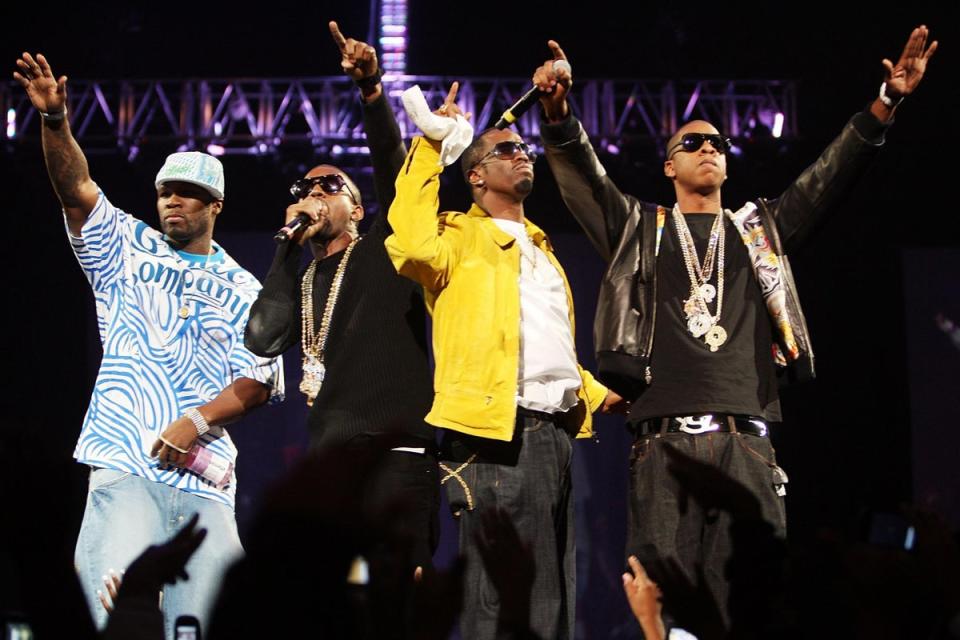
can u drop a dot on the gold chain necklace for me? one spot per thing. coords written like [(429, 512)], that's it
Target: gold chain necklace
[(700, 322), (315, 342)]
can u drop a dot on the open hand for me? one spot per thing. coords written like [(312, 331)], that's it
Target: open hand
[(902, 78), (46, 93)]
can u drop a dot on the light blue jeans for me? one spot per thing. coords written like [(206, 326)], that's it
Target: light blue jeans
[(125, 514)]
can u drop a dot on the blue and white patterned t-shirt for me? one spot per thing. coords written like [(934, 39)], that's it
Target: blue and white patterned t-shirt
[(171, 325)]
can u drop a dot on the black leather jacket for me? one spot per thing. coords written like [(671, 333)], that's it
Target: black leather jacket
[(623, 229)]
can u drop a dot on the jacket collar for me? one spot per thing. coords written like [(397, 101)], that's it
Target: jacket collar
[(504, 239)]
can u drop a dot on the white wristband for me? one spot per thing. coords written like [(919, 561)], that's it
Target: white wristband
[(887, 100), (198, 421)]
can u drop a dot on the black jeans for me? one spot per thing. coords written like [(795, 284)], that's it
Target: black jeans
[(402, 496), (669, 530), (528, 478)]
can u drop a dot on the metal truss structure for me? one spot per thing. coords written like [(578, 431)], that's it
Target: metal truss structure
[(268, 115)]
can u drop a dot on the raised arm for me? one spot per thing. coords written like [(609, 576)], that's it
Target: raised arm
[(66, 163), (420, 247), (846, 159), (592, 197), (359, 62)]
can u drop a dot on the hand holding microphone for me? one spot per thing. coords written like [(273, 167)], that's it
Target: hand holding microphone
[(554, 79), (552, 76), (301, 221)]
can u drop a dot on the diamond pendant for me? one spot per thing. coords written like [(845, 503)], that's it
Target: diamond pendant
[(715, 337), (690, 307), (699, 324), (708, 292), (313, 374)]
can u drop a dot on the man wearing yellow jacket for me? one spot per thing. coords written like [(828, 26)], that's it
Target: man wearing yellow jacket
[(508, 389)]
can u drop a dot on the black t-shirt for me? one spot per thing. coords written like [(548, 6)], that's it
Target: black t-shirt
[(739, 378)]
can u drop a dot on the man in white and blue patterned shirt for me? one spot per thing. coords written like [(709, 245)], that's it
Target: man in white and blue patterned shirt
[(171, 309)]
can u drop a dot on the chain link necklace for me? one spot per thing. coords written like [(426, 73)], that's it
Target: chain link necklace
[(315, 341), (700, 322)]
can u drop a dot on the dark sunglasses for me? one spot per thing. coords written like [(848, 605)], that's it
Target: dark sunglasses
[(508, 150), (332, 185), (690, 142)]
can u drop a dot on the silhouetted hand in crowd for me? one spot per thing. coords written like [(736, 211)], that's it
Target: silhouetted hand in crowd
[(509, 563), (133, 600), (939, 558), (711, 487), (438, 599), (688, 602), (111, 585), (644, 595), (311, 526), (754, 570), (161, 564)]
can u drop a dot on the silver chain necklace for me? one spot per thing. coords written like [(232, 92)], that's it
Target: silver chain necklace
[(700, 322)]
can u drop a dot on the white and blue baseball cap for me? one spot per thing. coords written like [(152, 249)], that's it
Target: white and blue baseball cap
[(194, 167)]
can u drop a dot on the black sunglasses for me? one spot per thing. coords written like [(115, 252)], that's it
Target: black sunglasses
[(690, 142), (508, 149), (332, 184)]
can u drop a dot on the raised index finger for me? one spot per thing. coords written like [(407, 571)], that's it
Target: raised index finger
[(452, 94), (638, 570), (555, 49), (337, 36)]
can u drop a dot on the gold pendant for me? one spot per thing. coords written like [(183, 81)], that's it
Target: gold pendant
[(313, 374), (715, 337)]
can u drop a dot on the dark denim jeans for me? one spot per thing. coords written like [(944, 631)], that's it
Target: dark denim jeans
[(666, 525), (402, 498), (529, 478)]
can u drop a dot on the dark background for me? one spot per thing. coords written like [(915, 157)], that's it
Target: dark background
[(848, 439)]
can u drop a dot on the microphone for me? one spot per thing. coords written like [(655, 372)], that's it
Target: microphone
[(528, 99), (288, 230)]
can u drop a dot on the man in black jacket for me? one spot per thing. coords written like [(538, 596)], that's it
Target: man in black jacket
[(363, 328), (695, 300)]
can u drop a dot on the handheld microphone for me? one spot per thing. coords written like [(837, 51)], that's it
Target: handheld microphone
[(528, 99), (288, 230)]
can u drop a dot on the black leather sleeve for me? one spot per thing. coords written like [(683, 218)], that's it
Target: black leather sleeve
[(828, 179), (274, 322), (592, 197)]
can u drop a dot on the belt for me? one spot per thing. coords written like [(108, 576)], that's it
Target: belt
[(538, 415), (704, 423)]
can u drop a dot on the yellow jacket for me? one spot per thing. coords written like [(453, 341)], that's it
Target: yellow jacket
[(469, 269)]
